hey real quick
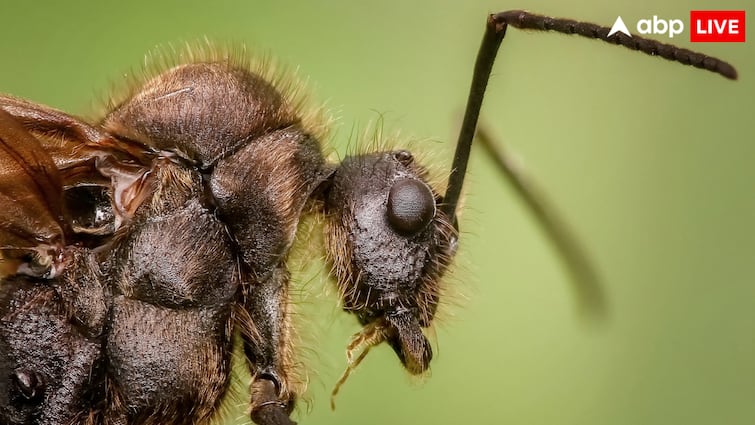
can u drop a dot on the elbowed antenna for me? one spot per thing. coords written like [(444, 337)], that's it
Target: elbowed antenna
[(585, 278), (494, 33)]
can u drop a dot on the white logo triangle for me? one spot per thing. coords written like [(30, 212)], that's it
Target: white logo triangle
[(619, 26)]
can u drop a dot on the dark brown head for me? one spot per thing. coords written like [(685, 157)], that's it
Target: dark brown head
[(389, 245)]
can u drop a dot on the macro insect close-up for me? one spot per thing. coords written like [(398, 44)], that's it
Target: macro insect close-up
[(204, 233)]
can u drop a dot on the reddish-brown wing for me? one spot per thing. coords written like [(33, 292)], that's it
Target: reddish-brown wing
[(31, 212), (42, 153)]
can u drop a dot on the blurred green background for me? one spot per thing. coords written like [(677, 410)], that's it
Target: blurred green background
[(650, 161)]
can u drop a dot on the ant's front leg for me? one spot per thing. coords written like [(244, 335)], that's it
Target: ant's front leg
[(266, 333)]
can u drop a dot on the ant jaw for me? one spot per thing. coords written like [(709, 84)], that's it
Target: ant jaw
[(402, 330), (408, 341)]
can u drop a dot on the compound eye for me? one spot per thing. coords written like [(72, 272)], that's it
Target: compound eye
[(29, 384), (411, 206)]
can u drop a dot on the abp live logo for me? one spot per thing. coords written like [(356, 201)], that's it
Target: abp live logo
[(705, 26), (717, 26)]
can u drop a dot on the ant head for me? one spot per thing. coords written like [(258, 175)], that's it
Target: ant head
[(389, 244)]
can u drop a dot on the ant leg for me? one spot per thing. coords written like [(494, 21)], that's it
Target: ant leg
[(266, 335)]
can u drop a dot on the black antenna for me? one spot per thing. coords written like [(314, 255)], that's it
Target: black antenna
[(494, 33), (585, 278)]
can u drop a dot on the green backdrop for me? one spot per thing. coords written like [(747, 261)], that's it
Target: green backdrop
[(650, 161)]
